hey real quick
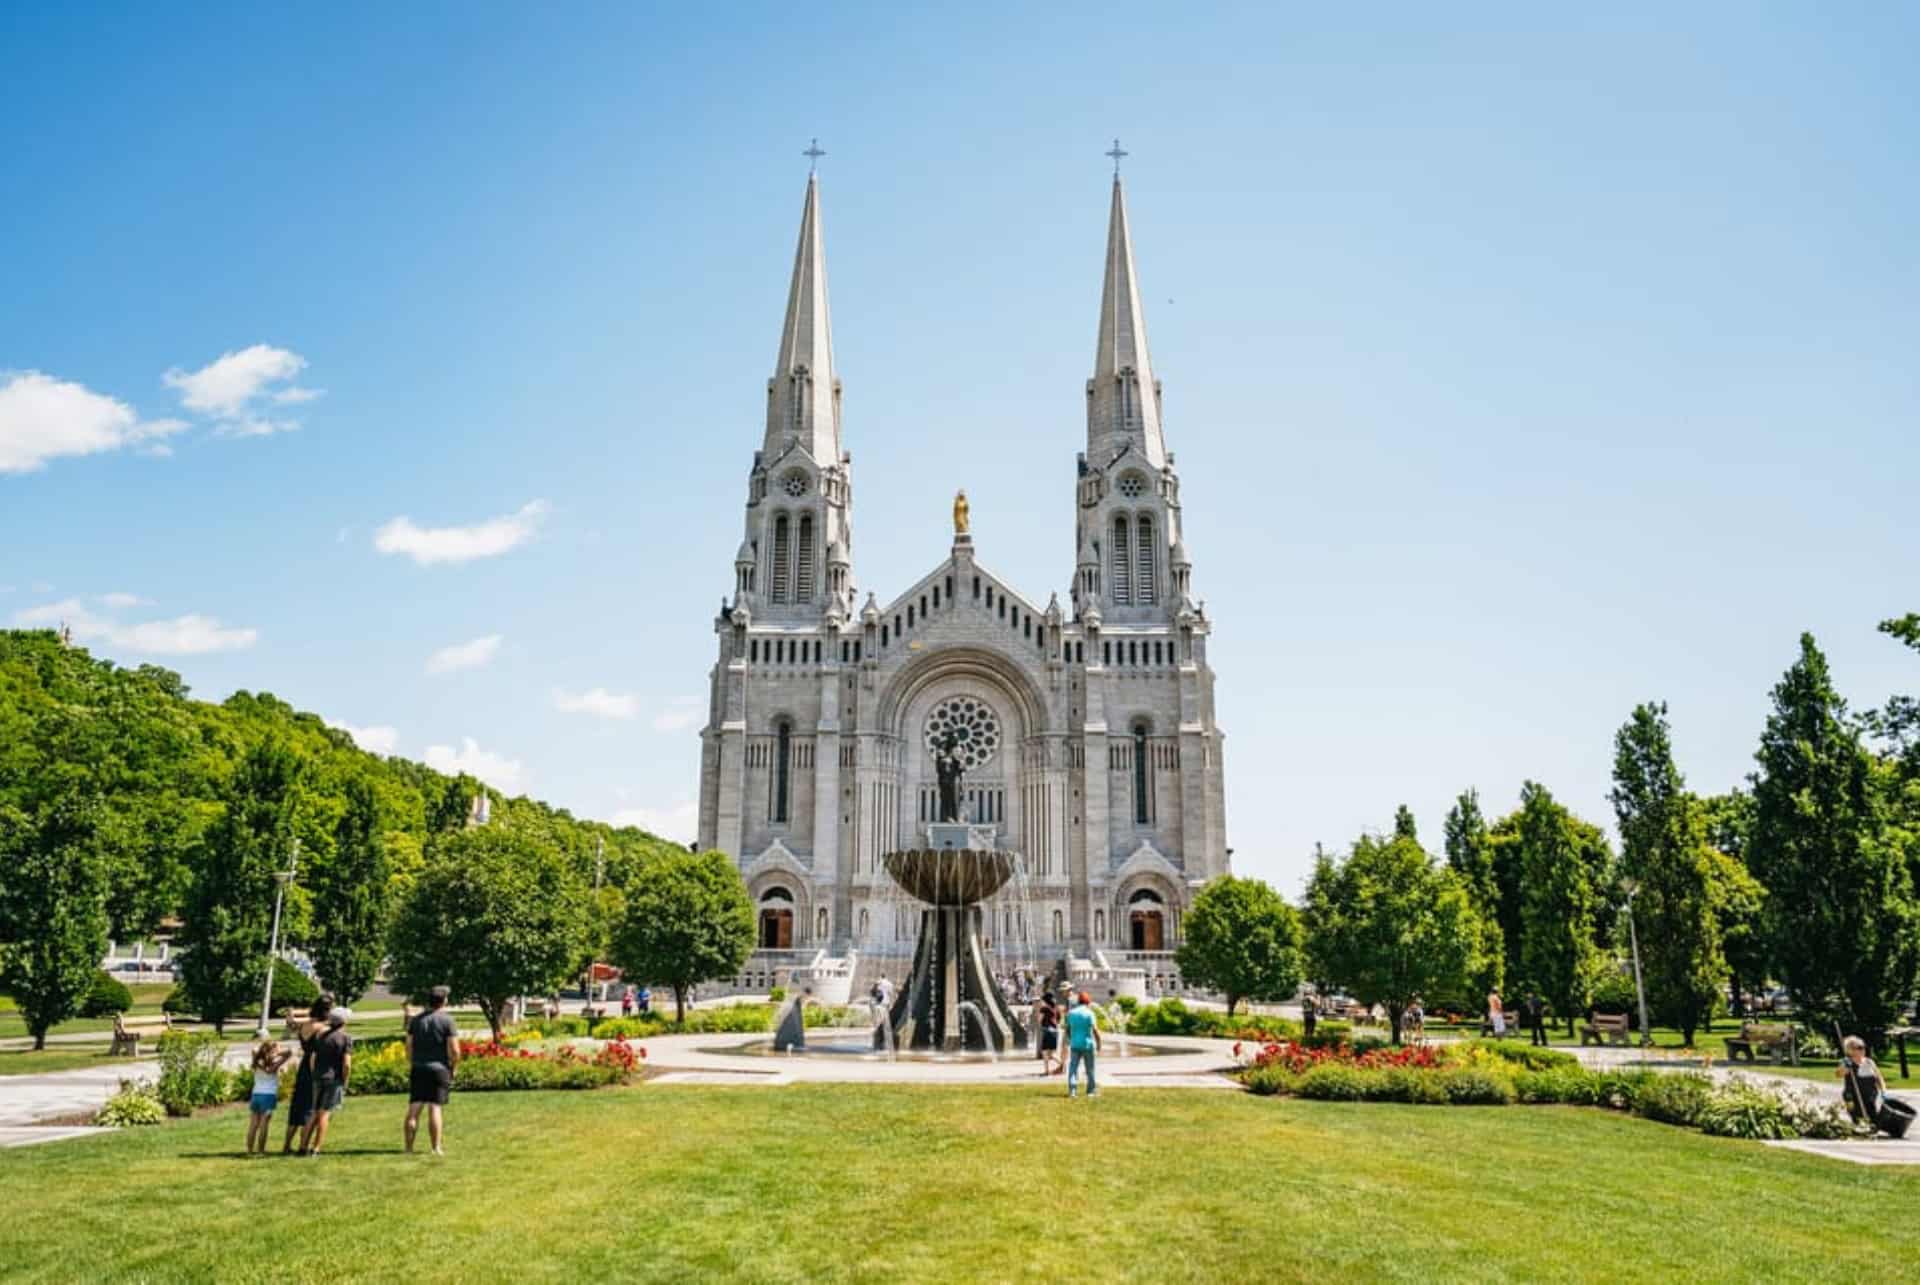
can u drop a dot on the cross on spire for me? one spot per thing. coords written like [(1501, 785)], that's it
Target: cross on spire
[(813, 155), (1117, 155)]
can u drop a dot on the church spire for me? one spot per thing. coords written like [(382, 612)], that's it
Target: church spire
[(1123, 398), (803, 397)]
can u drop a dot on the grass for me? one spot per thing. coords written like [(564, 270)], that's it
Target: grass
[(57, 1057), (891, 1183)]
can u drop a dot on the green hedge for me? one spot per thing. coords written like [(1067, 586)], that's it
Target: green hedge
[(291, 989), (107, 996), (488, 1074)]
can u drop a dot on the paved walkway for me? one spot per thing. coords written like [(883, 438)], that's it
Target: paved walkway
[(715, 1059), (26, 1099)]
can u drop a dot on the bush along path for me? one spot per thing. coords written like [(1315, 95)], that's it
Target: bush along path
[(1496, 1073)]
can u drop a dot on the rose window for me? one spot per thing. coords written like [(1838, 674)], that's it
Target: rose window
[(794, 484), (1133, 486), (971, 724)]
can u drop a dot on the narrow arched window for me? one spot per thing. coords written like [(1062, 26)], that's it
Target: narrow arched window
[(803, 561), (782, 552), (1142, 809), (1122, 575), (1059, 926), (782, 770), (1143, 577)]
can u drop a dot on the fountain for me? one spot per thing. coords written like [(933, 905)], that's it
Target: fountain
[(951, 1001)]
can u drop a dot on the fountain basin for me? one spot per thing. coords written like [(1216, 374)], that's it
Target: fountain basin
[(949, 876)]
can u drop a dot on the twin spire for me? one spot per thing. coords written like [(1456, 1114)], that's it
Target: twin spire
[(803, 397), (1123, 398)]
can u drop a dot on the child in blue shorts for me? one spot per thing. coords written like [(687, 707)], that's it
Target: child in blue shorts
[(268, 1058)]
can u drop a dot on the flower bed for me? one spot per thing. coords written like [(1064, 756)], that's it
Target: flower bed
[(1494, 1073), (486, 1065)]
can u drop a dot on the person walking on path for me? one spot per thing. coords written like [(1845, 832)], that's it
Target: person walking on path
[(626, 1003), (1496, 1015), (300, 1106), (433, 1054), (268, 1058), (1050, 1062), (332, 1068), (1083, 1037), (1534, 1009)]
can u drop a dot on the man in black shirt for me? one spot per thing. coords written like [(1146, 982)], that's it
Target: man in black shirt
[(433, 1049), (332, 1066)]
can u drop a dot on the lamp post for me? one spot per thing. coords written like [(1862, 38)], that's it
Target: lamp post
[(1629, 887), (281, 878)]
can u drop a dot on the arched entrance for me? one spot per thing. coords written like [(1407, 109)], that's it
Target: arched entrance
[(776, 919), (1146, 921)]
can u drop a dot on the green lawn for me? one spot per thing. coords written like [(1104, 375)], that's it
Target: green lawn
[(832, 1182), (146, 1003), (57, 1057)]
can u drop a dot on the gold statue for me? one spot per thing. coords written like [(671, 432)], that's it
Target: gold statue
[(960, 513)]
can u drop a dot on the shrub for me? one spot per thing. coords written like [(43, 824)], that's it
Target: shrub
[(1560, 1085), (777, 994), (1813, 1117), (1532, 1057), (1743, 1110), (1674, 1099), (552, 1028), (1270, 1080), (625, 1028), (1127, 1004), (1330, 1082), (133, 1105), (190, 1072), (291, 987), (1472, 1086), (107, 996)]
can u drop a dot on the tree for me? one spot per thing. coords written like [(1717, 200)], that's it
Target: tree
[(347, 938), (55, 907), (1470, 855), (495, 913), (1560, 901), (1840, 909), (1404, 826), (229, 909), (1663, 850), (687, 920), (1390, 923), (1243, 939)]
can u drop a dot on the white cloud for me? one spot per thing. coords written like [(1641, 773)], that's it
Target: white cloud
[(678, 821), (428, 545), (189, 635), (682, 715), (497, 770), (124, 600), (466, 655), (43, 418), (223, 387), (599, 702), (294, 396), (376, 740)]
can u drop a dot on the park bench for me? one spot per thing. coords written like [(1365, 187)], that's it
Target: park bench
[(125, 1042), (1604, 1028), (1512, 1021), (1779, 1043)]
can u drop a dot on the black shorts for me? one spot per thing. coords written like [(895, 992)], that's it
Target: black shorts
[(329, 1095), (1049, 1039), (430, 1083)]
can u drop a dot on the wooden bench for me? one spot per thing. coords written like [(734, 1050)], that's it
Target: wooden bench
[(1605, 1028), (1779, 1043), (1511, 1021), (125, 1042)]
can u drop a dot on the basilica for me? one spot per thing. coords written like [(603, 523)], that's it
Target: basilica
[(1085, 727)]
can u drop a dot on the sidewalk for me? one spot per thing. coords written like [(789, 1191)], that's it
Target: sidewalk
[(25, 1099)]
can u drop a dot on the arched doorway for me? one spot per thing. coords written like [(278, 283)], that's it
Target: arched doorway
[(1146, 921), (776, 919)]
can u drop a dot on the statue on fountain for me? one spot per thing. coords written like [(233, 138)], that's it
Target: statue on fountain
[(949, 769)]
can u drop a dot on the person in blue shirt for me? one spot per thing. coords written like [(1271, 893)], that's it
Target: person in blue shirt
[(1083, 1037)]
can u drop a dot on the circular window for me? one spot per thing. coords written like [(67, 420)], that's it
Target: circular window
[(794, 484), (1132, 485), (971, 724)]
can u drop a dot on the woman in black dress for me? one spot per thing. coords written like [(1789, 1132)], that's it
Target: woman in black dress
[(300, 1109)]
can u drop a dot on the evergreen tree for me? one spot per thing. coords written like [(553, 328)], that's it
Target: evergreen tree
[(1469, 850), (1404, 826), (1840, 908), (53, 903), (347, 936), (1243, 940), (229, 911), (1663, 850), (1559, 902)]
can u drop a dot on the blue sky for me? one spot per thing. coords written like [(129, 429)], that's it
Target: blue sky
[(1517, 371)]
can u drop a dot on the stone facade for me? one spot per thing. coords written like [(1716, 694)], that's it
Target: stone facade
[(1090, 730)]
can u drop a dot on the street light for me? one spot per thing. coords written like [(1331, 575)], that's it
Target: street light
[(1631, 888), (281, 878)]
